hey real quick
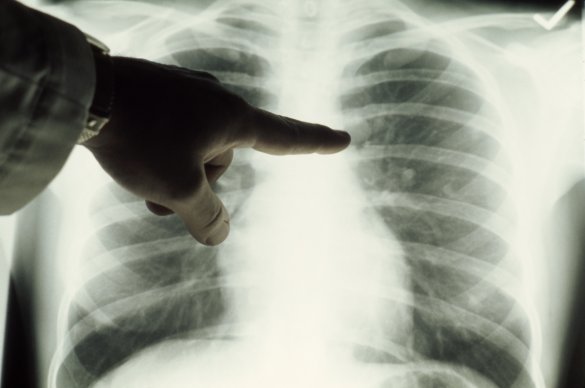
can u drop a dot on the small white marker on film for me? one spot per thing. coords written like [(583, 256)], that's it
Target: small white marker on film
[(556, 18)]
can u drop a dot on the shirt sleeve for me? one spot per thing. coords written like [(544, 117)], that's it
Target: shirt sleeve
[(47, 81)]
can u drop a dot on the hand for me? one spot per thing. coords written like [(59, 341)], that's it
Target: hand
[(172, 134)]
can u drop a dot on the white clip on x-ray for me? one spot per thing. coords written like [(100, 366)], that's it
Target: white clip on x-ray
[(442, 249)]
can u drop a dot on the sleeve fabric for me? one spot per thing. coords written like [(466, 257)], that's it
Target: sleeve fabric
[(47, 81)]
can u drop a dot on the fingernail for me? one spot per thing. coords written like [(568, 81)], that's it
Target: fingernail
[(343, 133)]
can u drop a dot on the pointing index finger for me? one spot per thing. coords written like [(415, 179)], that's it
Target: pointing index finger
[(280, 135)]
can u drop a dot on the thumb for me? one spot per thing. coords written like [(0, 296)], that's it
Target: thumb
[(204, 215)]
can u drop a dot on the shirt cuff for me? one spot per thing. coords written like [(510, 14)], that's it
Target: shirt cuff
[(48, 77)]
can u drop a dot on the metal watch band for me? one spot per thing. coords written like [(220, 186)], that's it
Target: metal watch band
[(101, 106)]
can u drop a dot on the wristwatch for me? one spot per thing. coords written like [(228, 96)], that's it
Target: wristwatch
[(101, 106)]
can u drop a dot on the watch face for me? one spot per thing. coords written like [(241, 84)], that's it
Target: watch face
[(92, 128)]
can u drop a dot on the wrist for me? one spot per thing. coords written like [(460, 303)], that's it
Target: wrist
[(101, 106)]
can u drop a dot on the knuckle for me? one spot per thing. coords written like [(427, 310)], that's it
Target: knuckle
[(237, 105), (214, 217), (216, 230), (185, 187), (241, 115)]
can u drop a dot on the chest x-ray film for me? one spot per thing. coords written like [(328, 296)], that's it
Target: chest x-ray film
[(424, 255)]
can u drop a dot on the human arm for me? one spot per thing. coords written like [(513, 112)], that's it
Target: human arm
[(46, 87), (172, 134), (186, 119)]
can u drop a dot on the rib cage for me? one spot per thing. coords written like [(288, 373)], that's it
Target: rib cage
[(434, 168), (147, 288), (233, 51), (146, 280), (437, 179)]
